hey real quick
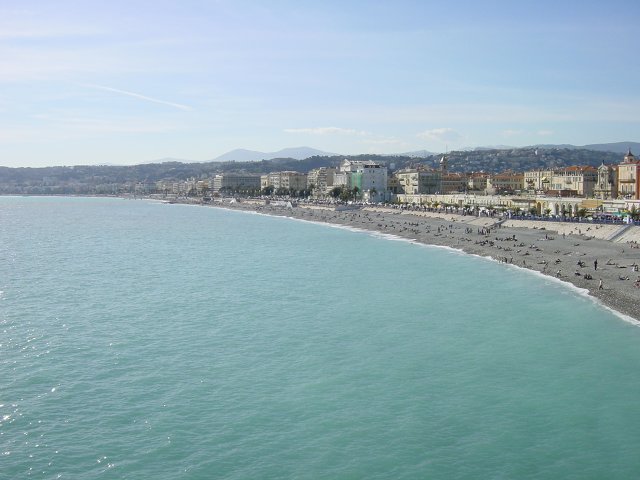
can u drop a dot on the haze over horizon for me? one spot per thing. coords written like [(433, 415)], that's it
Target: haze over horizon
[(133, 82)]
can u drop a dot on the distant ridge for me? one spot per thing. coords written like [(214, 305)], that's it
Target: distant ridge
[(302, 153), (243, 155), (101, 179), (415, 154), (169, 160), (616, 147)]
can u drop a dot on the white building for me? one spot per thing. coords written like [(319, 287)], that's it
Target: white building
[(286, 180), (413, 181), (369, 177), (322, 179), (235, 181)]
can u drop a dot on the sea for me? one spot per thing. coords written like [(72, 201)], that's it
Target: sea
[(143, 340)]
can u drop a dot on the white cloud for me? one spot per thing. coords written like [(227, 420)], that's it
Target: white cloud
[(54, 128), (441, 135), (139, 96), (512, 133), (101, 127), (328, 131), (384, 141)]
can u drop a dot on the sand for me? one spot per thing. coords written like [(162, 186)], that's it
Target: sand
[(551, 248)]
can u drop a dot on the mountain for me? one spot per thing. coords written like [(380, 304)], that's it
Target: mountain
[(617, 147), (562, 146), (299, 153), (417, 153), (169, 160), (240, 155), (102, 179), (489, 147), (243, 155)]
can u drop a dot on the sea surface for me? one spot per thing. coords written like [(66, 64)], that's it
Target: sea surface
[(142, 340)]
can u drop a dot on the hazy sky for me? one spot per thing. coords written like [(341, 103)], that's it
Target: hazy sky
[(127, 82)]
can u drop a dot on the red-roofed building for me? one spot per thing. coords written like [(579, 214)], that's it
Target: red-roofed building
[(628, 178), (505, 182), (580, 179)]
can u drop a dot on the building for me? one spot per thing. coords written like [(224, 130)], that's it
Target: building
[(393, 186), (505, 182), (477, 181), (606, 187), (415, 181), (444, 168), (144, 188), (452, 182), (628, 178), (321, 180), (202, 187), (189, 187), (233, 182), (581, 180), (370, 178), (287, 180), (538, 180)]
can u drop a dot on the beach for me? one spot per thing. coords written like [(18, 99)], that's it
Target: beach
[(576, 253)]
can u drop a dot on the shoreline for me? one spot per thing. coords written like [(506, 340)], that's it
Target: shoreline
[(537, 248)]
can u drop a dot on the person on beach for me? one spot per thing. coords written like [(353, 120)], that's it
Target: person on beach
[(600, 287), (595, 264)]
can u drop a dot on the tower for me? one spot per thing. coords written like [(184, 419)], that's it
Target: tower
[(443, 164)]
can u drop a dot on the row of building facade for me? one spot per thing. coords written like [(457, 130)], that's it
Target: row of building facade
[(371, 181)]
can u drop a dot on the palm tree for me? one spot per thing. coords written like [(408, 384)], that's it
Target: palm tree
[(336, 192)]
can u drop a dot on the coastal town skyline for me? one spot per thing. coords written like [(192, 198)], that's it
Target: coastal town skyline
[(121, 83)]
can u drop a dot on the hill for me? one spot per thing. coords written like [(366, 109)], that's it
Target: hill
[(243, 155), (106, 179), (616, 147)]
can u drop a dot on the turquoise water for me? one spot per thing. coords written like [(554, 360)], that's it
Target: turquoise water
[(143, 340)]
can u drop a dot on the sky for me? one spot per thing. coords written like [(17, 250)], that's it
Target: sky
[(129, 82)]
